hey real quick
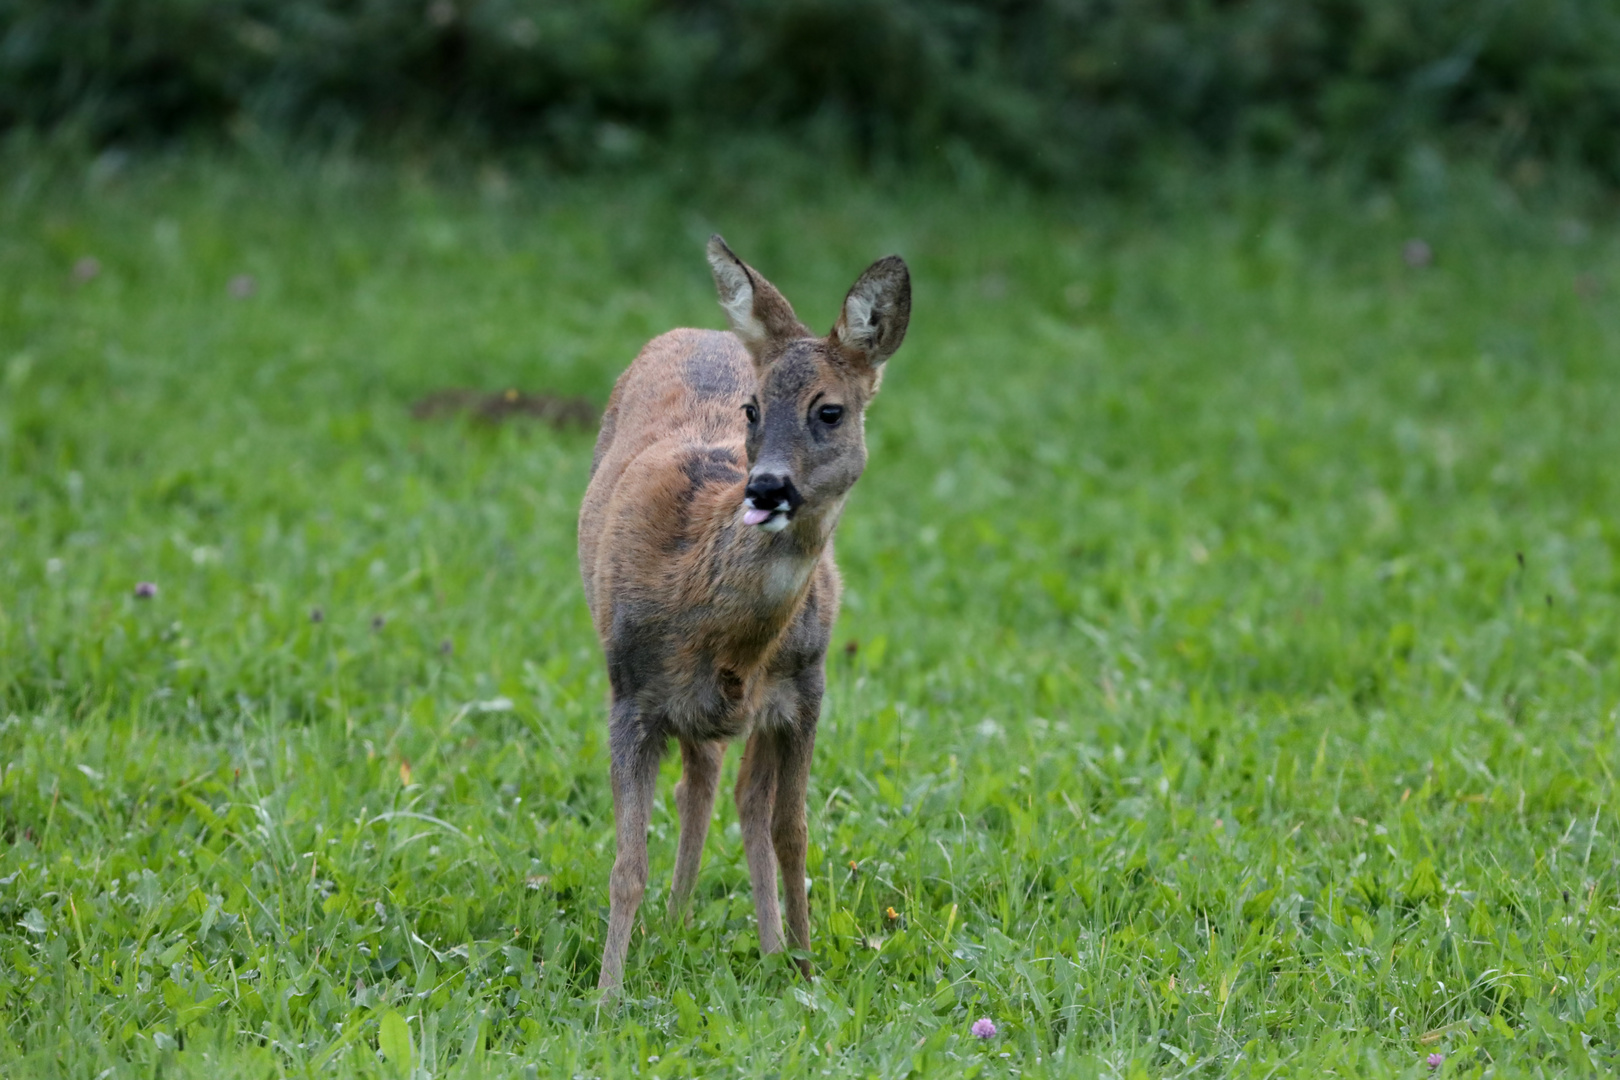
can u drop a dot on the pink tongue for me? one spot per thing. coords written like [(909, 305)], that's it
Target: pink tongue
[(754, 517)]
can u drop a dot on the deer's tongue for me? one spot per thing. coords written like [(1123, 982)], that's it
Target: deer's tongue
[(752, 516)]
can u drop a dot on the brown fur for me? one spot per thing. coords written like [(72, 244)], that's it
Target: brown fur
[(715, 629)]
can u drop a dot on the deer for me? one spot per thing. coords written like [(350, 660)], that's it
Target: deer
[(719, 476)]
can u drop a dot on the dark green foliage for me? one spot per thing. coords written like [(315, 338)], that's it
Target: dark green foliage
[(1052, 87)]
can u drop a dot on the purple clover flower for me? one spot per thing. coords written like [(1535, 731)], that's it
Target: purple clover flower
[(145, 590), (984, 1028), (1436, 1060)]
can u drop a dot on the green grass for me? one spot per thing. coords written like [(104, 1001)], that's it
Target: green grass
[(1237, 609)]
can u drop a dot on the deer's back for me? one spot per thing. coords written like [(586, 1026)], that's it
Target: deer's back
[(672, 436)]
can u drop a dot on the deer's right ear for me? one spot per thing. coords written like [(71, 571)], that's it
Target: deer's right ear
[(759, 314)]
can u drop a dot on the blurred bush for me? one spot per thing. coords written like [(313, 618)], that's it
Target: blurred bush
[(1053, 87)]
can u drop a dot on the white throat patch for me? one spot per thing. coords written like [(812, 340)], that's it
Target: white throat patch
[(786, 575)]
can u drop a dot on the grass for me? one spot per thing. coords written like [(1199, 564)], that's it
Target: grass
[(1228, 680)]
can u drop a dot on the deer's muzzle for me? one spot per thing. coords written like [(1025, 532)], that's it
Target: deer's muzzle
[(770, 500)]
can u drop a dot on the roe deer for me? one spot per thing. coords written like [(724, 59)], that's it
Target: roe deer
[(705, 542)]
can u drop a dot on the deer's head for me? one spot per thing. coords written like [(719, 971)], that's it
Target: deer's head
[(806, 416)]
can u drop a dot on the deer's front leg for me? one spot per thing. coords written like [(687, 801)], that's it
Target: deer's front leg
[(635, 750), (789, 833), (756, 799)]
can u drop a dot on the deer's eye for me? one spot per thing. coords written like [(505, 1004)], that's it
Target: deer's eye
[(752, 412), (830, 414)]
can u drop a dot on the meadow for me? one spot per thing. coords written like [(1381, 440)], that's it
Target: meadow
[(1228, 680)]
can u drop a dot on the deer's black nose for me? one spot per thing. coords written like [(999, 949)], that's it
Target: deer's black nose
[(771, 491)]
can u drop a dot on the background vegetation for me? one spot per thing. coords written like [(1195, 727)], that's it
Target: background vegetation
[(1052, 88), (1229, 678), (1227, 683)]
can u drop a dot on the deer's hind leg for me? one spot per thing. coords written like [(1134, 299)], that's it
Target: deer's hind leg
[(636, 744), (694, 798)]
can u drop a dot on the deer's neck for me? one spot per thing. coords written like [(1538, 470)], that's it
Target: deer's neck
[(754, 583)]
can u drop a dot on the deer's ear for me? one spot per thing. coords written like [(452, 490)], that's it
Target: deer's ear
[(759, 315), (876, 312)]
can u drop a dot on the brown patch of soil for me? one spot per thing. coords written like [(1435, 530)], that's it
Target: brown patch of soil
[(497, 408)]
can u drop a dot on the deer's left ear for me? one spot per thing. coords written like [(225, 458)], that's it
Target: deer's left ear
[(876, 311)]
